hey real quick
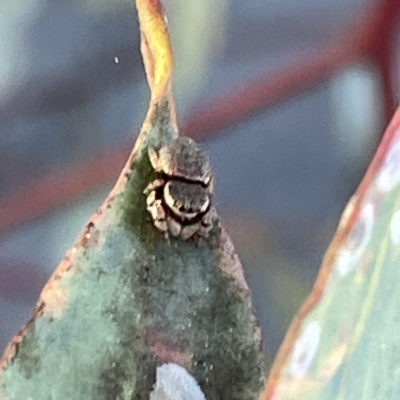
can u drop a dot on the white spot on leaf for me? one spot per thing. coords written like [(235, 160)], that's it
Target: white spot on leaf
[(352, 249), (348, 211), (305, 349), (389, 175), (173, 382), (395, 228)]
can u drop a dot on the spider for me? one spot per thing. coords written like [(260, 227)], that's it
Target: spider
[(179, 201)]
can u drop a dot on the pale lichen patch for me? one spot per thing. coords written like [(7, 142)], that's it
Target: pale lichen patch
[(54, 297), (389, 175), (348, 211), (305, 349), (173, 382), (354, 246), (395, 228)]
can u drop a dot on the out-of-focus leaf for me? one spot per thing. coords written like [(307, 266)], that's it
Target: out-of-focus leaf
[(205, 24), (344, 343), (125, 300)]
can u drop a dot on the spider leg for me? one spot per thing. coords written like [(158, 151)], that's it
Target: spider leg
[(155, 208), (154, 158), (151, 198), (161, 225), (207, 222), (157, 212), (174, 226), (153, 186), (209, 217), (189, 230), (211, 186)]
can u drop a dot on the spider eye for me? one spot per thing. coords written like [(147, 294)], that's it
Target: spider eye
[(179, 205), (185, 208)]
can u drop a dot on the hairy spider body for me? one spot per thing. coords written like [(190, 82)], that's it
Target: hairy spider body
[(179, 201)]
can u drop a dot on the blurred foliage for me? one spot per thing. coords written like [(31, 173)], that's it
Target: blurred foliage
[(344, 342), (202, 23)]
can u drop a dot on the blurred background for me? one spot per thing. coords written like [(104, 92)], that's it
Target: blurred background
[(289, 97)]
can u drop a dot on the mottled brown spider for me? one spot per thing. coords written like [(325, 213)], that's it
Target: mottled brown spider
[(179, 200)]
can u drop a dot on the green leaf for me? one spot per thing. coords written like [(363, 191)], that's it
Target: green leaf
[(126, 300), (344, 343)]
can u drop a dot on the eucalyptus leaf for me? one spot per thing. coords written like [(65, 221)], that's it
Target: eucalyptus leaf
[(344, 343), (126, 300)]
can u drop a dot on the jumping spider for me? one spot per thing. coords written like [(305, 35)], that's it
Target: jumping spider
[(179, 200)]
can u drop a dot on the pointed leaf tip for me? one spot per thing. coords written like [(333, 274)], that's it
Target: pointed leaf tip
[(126, 299), (156, 46), (157, 6)]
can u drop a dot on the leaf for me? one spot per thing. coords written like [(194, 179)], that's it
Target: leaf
[(155, 46), (124, 300), (344, 342)]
